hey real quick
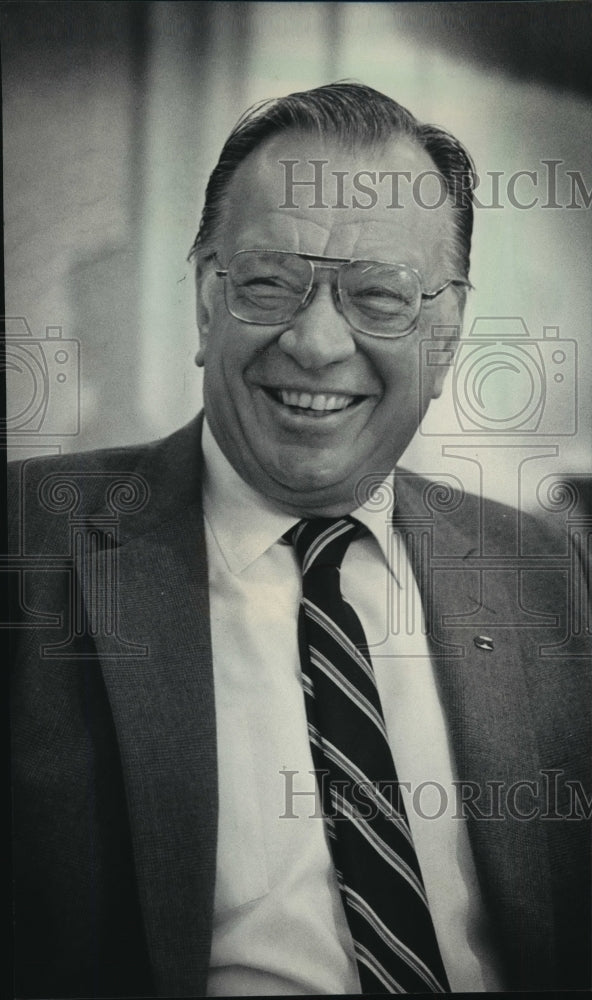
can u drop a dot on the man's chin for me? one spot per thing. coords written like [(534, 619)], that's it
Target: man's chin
[(314, 492)]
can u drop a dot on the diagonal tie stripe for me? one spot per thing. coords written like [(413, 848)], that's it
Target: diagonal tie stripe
[(349, 768), (381, 846), (368, 832), (360, 702), (374, 967), (356, 902), (318, 615)]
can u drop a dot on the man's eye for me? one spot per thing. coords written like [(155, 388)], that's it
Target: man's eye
[(380, 300), (268, 281), (268, 285)]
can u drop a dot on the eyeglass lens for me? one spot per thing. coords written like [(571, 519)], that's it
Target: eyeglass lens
[(268, 287)]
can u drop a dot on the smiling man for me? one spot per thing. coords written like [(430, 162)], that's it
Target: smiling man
[(309, 384), (285, 731)]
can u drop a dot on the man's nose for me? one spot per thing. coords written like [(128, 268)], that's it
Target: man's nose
[(319, 334)]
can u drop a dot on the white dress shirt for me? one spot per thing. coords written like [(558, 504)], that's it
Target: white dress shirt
[(279, 925)]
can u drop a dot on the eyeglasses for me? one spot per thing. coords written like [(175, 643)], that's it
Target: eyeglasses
[(269, 287)]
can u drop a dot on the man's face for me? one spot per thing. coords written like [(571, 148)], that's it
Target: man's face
[(308, 461)]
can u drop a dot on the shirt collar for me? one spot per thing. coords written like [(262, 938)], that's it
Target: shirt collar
[(245, 524)]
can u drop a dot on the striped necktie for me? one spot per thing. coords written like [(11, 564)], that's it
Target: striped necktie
[(377, 868)]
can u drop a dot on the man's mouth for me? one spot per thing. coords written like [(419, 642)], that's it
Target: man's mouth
[(313, 404)]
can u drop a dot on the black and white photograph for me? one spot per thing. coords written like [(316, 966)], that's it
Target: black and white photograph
[(298, 361)]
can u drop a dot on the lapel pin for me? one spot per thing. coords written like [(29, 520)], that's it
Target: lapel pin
[(483, 642)]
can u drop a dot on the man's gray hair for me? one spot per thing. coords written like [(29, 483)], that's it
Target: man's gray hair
[(358, 117)]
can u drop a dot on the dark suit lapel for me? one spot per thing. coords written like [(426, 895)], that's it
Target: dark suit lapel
[(486, 701), (158, 674)]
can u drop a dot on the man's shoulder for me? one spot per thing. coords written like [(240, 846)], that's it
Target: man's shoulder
[(99, 460), (166, 452), (449, 511), (420, 496), (37, 467), (165, 472)]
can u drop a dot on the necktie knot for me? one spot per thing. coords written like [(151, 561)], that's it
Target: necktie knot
[(322, 541)]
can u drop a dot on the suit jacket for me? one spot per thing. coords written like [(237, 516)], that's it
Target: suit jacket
[(114, 748)]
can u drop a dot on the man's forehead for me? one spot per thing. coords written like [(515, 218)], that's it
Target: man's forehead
[(313, 194)]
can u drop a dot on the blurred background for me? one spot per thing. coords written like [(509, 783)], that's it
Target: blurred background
[(114, 115)]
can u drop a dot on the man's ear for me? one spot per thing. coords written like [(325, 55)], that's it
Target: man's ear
[(205, 285), (445, 343)]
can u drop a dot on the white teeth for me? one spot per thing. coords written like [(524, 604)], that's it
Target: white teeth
[(320, 400)]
